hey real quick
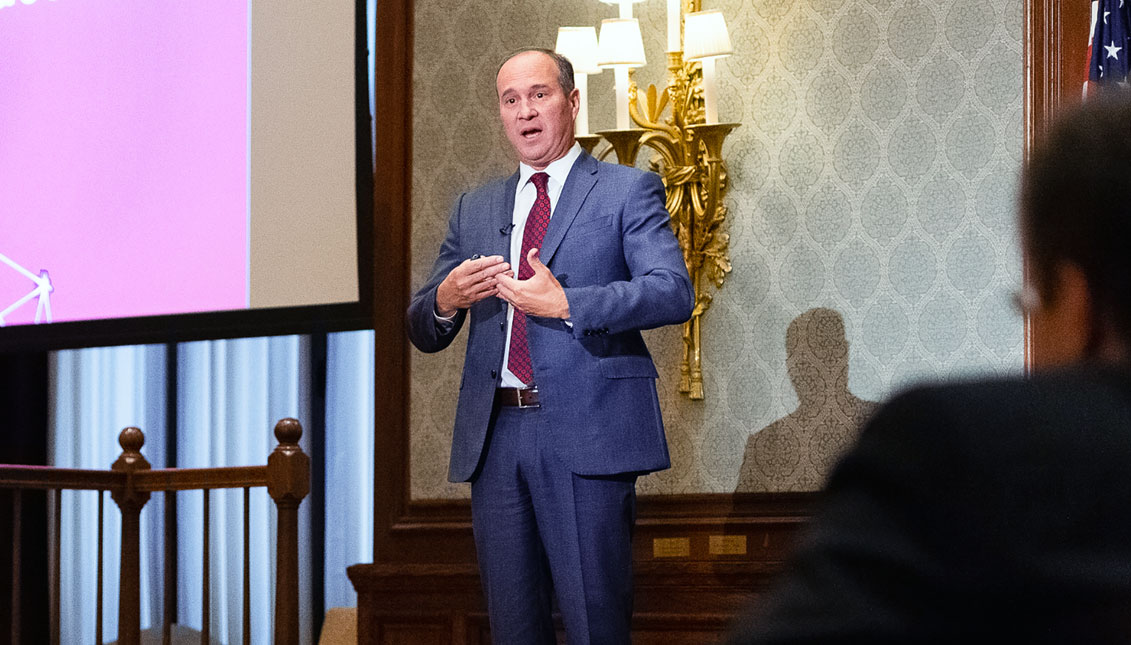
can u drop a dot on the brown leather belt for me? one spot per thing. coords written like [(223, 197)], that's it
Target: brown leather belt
[(517, 397)]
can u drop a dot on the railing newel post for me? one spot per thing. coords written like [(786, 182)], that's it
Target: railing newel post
[(288, 482), (130, 501)]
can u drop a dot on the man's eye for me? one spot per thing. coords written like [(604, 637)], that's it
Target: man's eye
[(540, 95)]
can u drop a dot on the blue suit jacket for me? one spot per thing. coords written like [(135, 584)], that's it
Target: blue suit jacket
[(610, 245)]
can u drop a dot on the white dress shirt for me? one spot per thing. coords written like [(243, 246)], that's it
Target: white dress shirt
[(524, 197)]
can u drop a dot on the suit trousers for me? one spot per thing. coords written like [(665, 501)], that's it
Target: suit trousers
[(542, 531)]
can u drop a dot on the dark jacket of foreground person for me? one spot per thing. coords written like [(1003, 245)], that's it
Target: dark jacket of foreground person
[(996, 511)]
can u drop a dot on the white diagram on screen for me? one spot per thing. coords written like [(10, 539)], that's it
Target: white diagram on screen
[(41, 292)]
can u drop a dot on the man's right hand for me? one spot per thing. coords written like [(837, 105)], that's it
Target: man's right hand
[(468, 283)]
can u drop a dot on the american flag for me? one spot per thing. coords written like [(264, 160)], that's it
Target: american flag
[(1107, 48)]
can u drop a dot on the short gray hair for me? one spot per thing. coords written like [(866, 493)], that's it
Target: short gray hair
[(565, 68)]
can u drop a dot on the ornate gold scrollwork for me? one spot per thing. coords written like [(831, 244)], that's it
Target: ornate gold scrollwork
[(689, 159)]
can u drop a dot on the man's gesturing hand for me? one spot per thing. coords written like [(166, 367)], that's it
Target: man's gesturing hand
[(539, 295), (468, 283)]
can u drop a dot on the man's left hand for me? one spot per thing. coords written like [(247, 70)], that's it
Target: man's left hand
[(539, 295)]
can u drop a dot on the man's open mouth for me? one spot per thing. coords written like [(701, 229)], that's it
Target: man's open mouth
[(530, 133)]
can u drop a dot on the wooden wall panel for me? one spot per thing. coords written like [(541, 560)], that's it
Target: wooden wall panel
[(1056, 46), (676, 601), (692, 578)]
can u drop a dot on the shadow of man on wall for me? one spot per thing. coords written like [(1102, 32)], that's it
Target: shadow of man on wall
[(796, 452)]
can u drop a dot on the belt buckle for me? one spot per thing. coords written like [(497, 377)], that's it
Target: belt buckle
[(522, 405)]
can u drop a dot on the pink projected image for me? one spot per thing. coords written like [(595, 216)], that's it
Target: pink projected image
[(123, 158)]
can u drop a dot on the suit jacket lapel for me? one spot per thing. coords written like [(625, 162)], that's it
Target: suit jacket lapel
[(501, 216), (499, 219), (581, 179)]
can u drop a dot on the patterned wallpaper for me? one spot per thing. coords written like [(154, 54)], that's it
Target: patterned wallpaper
[(872, 230)]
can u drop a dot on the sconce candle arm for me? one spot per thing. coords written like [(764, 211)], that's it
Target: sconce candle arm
[(689, 160)]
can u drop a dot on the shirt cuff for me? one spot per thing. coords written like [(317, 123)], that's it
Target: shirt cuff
[(445, 322)]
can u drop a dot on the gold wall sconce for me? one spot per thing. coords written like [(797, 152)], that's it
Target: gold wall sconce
[(687, 141)]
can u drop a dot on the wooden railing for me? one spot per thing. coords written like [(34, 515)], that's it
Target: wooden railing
[(130, 481)]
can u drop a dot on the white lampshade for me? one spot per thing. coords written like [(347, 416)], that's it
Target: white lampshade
[(705, 35), (620, 43), (579, 45)]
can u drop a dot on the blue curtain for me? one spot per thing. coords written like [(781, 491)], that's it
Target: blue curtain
[(349, 461), (230, 394), (95, 393)]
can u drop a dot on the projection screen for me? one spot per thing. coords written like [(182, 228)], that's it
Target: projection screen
[(177, 170)]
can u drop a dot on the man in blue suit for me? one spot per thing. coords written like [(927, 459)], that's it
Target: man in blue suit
[(557, 268)]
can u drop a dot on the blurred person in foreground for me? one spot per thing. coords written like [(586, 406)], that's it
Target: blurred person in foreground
[(997, 510)]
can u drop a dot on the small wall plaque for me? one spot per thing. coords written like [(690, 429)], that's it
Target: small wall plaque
[(671, 547), (727, 545)]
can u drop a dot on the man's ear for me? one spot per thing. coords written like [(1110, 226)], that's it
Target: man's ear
[(575, 102), (1064, 325)]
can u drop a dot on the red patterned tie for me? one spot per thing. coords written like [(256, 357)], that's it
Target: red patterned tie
[(519, 362)]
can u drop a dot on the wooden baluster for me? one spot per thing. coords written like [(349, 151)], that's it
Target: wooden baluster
[(98, 586), (170, 591), (206, 588), (130, 502), (56, 563), (288, 482), (246, 566), (17, 530)]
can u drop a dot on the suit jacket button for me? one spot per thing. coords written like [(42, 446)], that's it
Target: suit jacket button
[(502, 325), (494, 374)]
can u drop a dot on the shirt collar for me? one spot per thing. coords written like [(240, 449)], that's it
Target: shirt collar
[(558, 170)]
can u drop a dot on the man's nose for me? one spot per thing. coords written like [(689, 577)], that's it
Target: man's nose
[(526, 110)]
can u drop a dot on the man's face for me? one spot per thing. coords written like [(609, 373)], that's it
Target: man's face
[(537, 115)]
